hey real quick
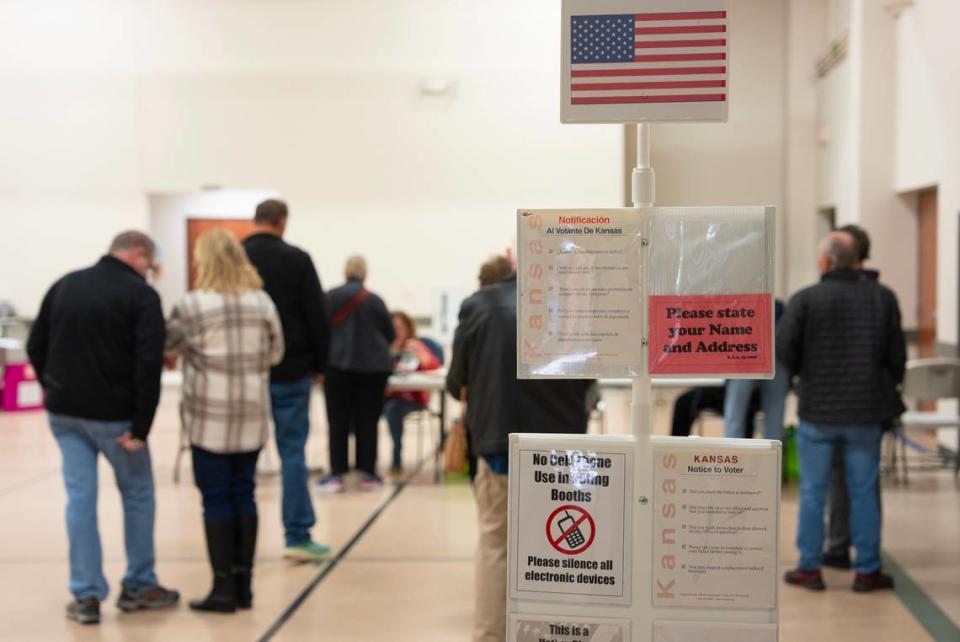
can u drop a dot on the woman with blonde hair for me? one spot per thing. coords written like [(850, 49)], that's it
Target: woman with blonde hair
[(228, 332)]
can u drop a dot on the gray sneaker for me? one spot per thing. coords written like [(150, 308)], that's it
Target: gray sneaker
[(150, 598), (85, 611)]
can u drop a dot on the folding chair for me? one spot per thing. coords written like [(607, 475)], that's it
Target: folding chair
[(928, 380)]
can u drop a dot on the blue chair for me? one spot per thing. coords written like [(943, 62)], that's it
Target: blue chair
[(434, 347)]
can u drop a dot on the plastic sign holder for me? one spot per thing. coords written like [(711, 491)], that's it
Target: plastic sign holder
[(705, 272), (694, 554)]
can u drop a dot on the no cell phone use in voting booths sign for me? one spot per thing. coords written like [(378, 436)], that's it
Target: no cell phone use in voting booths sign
[(569, 522)]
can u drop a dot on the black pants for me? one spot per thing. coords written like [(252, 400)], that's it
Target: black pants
[(226, 483), (690, 404), (354, 404)]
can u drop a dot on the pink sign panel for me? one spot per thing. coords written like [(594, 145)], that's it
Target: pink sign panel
[(726, 334)]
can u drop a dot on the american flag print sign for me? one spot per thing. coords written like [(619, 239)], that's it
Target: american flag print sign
[(632, 61)]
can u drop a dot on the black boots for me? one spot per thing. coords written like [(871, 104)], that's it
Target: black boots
[(221, 547), (246, 546), (231, 545)]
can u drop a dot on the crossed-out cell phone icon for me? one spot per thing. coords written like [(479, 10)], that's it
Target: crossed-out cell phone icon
[(574, 538)]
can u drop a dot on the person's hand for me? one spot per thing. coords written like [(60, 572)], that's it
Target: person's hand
[(130, 443), (319, 379), (170, 361)]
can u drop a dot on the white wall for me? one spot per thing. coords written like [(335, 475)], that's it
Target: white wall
[(69, 175), (858, 144), (928, 134), (919, 114), (806, 26), (743, 161), (838, 144), (928, 126), (892, 220), (106, 101)]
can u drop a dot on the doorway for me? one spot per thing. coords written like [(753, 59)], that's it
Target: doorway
[(927, 273), (240, 227), (826, 221)]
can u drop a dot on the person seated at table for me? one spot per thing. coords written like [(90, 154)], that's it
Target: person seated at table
[(410, 354), (691, 403)]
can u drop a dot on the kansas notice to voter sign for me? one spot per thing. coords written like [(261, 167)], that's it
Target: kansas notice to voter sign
[(570, 519), (715, 527)]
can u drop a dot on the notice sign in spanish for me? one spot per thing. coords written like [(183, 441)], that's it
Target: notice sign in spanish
[(715, 528), (544, 628), (579, 293), (711, 334), (569, 520)]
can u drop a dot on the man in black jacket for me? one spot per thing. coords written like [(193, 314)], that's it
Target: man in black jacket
[(292, 282), (97, 348), (484, 363), (837, 549), (843, 337)]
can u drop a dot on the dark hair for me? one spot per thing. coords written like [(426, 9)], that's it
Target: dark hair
[(271, 212), (132, 239), (407, 323), (860, 239), (494, 270)]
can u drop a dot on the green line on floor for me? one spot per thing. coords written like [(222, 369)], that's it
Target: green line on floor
[(937, 623)]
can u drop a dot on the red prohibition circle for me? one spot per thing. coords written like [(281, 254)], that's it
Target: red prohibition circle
[(586, 517)]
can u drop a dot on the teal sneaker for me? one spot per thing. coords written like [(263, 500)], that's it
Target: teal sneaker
[(309, 552)]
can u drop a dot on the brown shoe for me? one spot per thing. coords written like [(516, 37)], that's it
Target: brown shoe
[(811, 580), (872, 582)]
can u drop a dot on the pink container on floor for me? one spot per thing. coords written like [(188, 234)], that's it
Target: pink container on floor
[(21, 390)]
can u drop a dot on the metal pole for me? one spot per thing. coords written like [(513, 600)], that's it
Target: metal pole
[(644, 193)]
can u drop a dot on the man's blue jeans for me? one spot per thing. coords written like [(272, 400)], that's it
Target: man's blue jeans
[(291, 418), (773, 398), (861, 458), (81, 441)]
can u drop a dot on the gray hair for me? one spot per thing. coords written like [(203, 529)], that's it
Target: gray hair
[(356, 268), (840, 250), (131, 240)]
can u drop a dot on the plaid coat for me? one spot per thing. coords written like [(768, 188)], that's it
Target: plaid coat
[(228, 343)]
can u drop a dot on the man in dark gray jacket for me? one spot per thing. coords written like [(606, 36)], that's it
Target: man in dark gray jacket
[(843, 337), (484, 363)]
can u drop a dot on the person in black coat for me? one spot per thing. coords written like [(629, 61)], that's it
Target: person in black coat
[(484, 364), (97, 348), (291, 280), (844, 339), (359, 367)]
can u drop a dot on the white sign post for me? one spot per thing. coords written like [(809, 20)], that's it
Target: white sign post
[(651, 539)]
